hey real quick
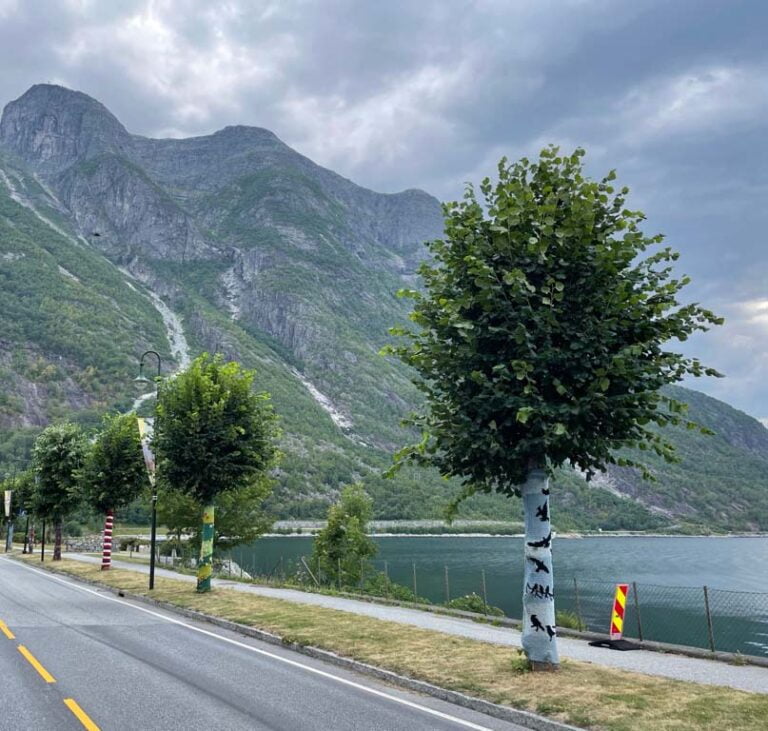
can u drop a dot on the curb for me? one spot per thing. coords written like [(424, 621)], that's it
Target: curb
[(504, 713)]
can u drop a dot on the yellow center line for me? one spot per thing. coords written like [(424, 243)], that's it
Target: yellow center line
[(4, 629), (46, 676), (81, 715)]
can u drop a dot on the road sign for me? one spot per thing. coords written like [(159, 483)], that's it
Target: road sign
[(617, 615)]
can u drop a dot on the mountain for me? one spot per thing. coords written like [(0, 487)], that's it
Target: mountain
[(112, 243)]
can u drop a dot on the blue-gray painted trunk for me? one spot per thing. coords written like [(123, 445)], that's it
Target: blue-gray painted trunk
[(539, 636)]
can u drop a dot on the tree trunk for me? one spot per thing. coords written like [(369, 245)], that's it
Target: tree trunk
[(57, 540), (539, 636), (26, 538), (9, 537), (106, 546), (205, 567)]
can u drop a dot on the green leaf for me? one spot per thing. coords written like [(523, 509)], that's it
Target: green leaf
[(524, 414)]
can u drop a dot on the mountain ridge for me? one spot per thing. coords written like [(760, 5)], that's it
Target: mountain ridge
[(267, 257)]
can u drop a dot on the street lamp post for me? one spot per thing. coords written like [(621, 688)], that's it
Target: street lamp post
[(141, 378)]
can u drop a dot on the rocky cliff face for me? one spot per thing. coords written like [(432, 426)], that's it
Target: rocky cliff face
[(266, 257), (52, 127), (285, 243)]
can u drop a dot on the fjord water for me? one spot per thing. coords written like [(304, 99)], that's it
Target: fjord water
[(669, 572)]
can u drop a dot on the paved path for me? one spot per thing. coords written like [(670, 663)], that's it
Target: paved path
[(127, 666), (710, 672)]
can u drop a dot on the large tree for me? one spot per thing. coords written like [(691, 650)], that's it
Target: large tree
[(213, 434), (542, 339), (58, 456), (113, 473)]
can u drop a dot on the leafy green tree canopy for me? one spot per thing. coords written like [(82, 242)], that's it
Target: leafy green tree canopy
[(214, 432), (59, 453), (542, 329), (339, 549), (113, 474)]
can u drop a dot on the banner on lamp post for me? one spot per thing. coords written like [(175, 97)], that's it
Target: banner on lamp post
[(146, 430), (8, 494)]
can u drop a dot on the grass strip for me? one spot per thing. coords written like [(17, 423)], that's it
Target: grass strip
[(582, 694)]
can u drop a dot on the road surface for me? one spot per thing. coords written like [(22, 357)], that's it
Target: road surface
[(74, 657)]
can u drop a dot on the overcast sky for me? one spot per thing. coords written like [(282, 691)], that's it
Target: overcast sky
[(430, 93)]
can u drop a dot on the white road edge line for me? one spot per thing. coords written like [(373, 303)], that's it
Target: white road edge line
[(287, 661)]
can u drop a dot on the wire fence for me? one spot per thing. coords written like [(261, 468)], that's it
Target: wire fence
[(713, 619)]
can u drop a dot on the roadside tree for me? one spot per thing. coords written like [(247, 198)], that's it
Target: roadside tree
[(58, 456), (113, 474), (541, 339), (214, 434), (340, 550)]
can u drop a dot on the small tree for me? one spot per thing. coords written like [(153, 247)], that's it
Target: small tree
[(213, 434), (113, 474), (541, 341), (341, 549), (58, 456)]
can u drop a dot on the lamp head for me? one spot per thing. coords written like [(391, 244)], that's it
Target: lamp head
[(141, 378)]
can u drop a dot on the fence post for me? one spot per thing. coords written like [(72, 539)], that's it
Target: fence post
[(415, 591), (485, 591), (637, 612), (309, 571), (709, 620), (447, 586), (339, 565), (578, 603)]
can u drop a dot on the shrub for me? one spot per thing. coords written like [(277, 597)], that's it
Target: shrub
[(474, 603), (381, 585), (570, 620)]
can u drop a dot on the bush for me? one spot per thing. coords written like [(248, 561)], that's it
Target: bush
[(570, 620), (381, 585), (474, 603), (183, 548), (73, 529)]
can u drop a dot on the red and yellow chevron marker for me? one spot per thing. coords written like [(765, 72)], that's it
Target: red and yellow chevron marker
[(617, 615)]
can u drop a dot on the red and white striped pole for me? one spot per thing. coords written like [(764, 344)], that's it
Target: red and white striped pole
[(106, 555)]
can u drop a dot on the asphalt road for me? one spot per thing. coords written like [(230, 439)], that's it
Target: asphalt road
[(73, 657)]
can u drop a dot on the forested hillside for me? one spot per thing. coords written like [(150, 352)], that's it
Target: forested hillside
[(112, 243)]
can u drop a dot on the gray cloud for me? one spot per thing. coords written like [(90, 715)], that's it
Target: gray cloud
[(431, 94)]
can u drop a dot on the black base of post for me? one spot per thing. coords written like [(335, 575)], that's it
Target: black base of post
[(622, 645)]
